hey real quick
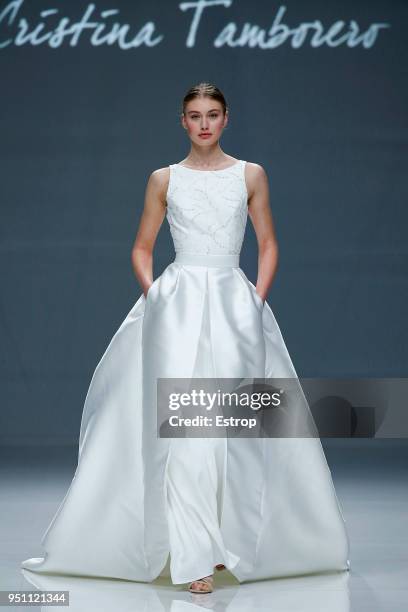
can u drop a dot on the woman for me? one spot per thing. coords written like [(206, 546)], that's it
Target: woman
[(260, 506)]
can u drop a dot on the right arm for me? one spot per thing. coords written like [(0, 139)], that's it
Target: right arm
[(153, 214)]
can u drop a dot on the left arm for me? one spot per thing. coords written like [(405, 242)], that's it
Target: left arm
[(260, 214)]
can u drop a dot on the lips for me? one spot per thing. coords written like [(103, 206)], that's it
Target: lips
[(205, 134)]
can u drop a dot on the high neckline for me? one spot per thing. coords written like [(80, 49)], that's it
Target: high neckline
[(219, 170)]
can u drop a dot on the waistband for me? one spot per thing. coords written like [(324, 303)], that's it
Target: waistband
[(203, 259)]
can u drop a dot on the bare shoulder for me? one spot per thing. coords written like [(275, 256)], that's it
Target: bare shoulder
[(255, 171), (160, 177), (255, 176), (158, 182)]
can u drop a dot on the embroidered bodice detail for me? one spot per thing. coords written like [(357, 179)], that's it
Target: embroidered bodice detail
[(207, 210)]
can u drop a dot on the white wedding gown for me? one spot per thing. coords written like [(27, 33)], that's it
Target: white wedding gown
[(264, 507)]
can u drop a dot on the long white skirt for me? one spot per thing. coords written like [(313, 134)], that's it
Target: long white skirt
[(194, 492), (264, 507)]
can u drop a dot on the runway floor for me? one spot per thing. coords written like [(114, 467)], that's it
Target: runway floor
[(371, 479)]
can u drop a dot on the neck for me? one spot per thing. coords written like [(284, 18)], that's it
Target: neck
[(206, 156)]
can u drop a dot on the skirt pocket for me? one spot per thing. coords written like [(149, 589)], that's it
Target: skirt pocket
[(251, 287)]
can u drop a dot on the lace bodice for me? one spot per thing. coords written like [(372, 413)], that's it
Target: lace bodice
[(207, 210)]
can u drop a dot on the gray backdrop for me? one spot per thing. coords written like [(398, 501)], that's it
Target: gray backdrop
[(87, 116)]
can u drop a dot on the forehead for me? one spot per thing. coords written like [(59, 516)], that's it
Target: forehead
[(204, 105)]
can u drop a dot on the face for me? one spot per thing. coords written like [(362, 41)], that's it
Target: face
[(204, 116)]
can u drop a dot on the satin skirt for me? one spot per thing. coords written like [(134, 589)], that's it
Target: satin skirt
[(140, 506)]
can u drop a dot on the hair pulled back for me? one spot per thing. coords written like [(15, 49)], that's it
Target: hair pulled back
[(204, 90)]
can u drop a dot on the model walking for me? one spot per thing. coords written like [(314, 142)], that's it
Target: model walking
[(261, 507)]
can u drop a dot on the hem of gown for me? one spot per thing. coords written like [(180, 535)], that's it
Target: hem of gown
[(197, 575), (187, 579)]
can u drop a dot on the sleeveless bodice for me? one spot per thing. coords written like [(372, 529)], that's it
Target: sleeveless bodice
[(207, 210)]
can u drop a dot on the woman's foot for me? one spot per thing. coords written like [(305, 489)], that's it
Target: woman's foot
[(202, 585)]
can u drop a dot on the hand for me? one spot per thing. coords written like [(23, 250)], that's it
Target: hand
[(260, 296), (147, 290)]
